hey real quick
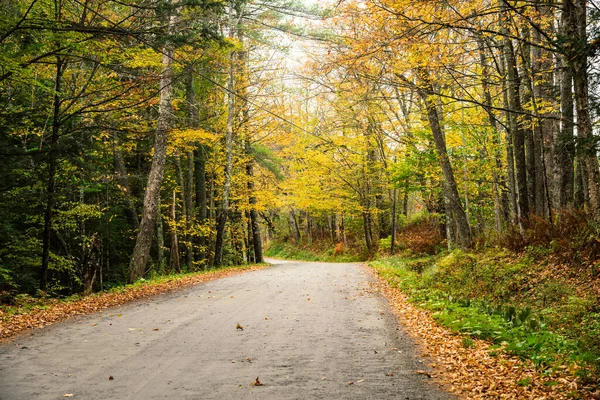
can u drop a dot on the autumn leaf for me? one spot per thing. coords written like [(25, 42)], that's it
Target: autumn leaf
[(257, 382), (240, 327)]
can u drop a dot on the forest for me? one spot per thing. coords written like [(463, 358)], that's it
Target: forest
[(157, 136), (453, 144)]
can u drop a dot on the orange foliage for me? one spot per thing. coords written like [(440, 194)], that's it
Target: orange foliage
[(423, 237), (339, 249)]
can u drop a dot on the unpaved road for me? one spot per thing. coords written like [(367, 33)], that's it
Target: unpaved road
[(308, 330)]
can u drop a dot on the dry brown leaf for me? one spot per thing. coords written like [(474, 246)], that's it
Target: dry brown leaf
[(471, 372)]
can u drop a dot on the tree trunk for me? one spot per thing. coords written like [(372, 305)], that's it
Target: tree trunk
[(52, 164), (450, 189), (530, 127), (515, 126), (224, 210), (91, 264), (141, 251), (201, 199), (184, 202), (586, 139), (564, 144), (174, 263), (160, 239), (256, 239), (496, 172), (294, 226)]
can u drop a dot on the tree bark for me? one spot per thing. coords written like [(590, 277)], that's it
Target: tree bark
[(201, 199), (141, 251), (160, 239), (564, 144), (450, 188), (224, 209), (52, 166), (255, 227), (587, 140), (174, 263), (515, 126)]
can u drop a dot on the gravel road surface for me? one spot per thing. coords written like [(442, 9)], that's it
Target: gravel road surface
[(310, 331)]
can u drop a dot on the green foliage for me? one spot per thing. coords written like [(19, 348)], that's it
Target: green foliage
[(481, 302), (289, 251)]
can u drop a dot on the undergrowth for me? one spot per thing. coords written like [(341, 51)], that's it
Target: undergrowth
[(312, 252), (520, 306)]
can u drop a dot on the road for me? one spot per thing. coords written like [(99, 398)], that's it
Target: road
[(310, 331)]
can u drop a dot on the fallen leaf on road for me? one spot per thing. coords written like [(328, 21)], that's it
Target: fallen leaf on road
[(350, 383), (421, 372), (257, 382), (240, 327), (155, 329), (68, 395), (110, 378)]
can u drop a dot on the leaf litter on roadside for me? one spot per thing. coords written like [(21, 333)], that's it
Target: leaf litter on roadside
[(55, 310), (475, 372)]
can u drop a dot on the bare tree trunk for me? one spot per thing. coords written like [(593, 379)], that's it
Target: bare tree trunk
[(450, 189), (141, 251)]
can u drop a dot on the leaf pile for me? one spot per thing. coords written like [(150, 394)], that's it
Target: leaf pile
[(473, 372), (54, 310)]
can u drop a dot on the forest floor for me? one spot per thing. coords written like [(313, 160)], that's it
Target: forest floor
[(472, 368), (499, 325), (30, 313), (296, 330)]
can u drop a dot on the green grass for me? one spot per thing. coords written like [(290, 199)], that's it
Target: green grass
[(289, 251), (494, 298)]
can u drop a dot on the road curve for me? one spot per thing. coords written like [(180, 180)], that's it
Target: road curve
[(310, 331)]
